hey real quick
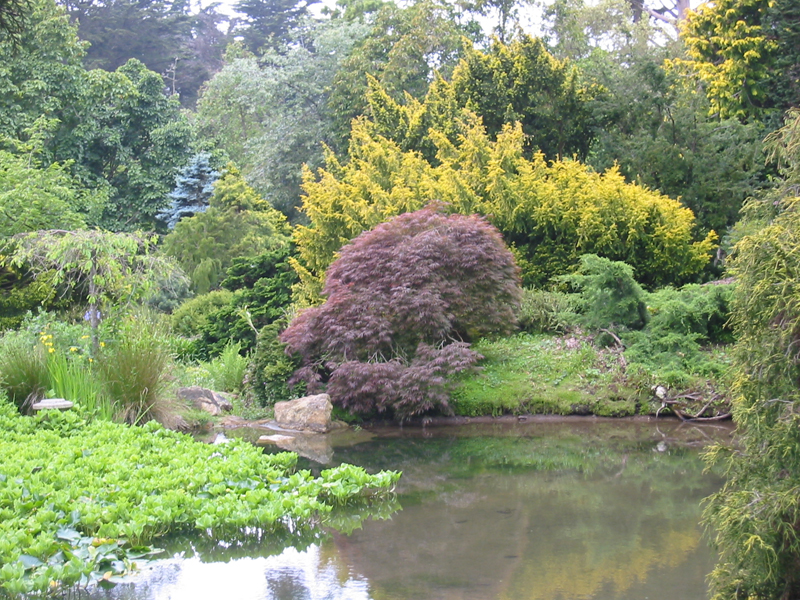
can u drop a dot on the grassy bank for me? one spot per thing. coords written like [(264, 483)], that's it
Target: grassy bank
[(550, 374)]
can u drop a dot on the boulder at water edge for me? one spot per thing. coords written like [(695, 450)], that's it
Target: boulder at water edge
[(212, 402), (312, 413)]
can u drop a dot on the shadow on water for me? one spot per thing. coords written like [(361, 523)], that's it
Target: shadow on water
[(549, 509)]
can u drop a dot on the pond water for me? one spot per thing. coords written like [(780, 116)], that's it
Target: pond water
[(547, 509)]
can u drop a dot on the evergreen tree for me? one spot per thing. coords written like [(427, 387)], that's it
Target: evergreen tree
[(748, 55), (194, 186), (268, 22)]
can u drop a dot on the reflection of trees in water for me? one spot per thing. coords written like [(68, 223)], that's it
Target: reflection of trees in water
[(535, 518), (287, 584)]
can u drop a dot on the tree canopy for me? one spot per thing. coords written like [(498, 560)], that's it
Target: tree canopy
[(748, 54)]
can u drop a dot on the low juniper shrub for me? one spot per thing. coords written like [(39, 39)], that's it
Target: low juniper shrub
[(610, 299)]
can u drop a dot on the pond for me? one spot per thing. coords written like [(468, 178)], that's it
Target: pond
[(550, 509)]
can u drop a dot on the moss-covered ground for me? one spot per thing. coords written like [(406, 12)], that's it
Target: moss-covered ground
[(547, 374)]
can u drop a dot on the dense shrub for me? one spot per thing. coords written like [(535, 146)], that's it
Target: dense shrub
[(552, 212), (610, 298), (20, 293), (403, 301), (270, 368), (191, 316), (169, 291), (702, 310), (261, 292), (238, 222)]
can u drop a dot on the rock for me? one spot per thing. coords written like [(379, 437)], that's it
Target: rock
[(660, 392), (212, 402), (662, 447), (52, 403), (312, 413)]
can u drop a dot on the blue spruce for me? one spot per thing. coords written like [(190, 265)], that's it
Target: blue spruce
[(194, 186)]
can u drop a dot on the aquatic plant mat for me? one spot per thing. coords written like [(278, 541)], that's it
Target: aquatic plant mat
[(80, 501)]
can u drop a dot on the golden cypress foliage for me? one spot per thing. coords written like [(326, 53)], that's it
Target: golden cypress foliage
[(550, 212)]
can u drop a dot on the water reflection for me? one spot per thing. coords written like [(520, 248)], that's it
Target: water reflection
[(292, 575), (552, 510)]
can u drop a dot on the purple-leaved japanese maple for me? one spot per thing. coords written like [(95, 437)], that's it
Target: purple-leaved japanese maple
[(404, 301)]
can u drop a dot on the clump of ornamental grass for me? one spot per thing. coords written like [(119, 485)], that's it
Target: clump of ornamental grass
[(404, 302), (74, 379), (134, 371), (23, 370), (543, 311)]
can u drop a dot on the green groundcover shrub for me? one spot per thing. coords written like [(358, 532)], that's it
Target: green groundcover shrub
[(78, 499), (270, 369)]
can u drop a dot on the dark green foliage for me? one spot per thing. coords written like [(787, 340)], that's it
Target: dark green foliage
[(169, 291), (269, 22), (703, 310), (402, 300), (194, 186), (186, 48), (238, 223), (261, 292), (270, 368), (126, 136), (12, 18), (20, 293), (522, 82), (41, 68), (712, 166), (191, 316), (610, 298), (121, 133), (151, 31), (683, 324)]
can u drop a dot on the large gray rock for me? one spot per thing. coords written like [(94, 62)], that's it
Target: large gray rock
[(312, 413), (212, 402)]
